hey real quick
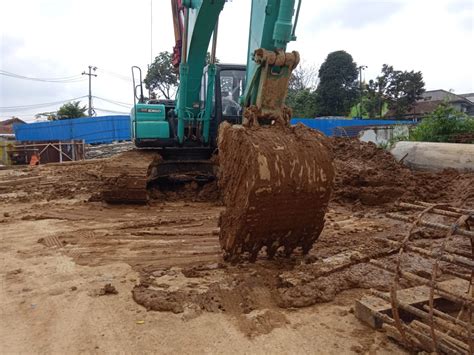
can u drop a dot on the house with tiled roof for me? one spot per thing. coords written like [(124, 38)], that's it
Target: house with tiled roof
[(432, 98)]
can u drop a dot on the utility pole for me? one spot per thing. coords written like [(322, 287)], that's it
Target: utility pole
[(361, 67), (91, 110)]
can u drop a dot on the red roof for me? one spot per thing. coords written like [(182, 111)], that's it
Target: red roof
[(7, 125)]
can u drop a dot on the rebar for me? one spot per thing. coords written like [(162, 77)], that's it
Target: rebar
[(451, 208), (432, 225), (448, 257), (433, 329), (423, 315), (442, 291), (434, 210)]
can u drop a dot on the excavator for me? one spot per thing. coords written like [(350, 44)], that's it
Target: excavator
[(275, 179)]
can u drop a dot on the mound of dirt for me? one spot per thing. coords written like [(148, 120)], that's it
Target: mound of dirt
[(372, 176)]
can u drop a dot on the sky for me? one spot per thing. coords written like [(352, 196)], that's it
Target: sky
[(51, 39)]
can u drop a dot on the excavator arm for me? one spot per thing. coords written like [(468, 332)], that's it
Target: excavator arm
[(272, 27)]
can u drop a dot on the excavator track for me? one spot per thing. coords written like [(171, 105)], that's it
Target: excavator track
[(276, 183), (126, 176)]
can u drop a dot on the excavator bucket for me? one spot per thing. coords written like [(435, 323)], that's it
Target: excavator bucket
[(276, 183)]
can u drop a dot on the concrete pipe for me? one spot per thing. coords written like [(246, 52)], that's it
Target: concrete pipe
[(435, 156)]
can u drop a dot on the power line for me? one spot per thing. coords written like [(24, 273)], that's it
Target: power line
[(112, 111), (115, 102), (34, 106), (117, 75), (66, 79)]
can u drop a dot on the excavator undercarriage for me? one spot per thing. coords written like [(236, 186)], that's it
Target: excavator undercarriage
[(128, 176)]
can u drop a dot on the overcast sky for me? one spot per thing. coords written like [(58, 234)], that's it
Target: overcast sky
[(60, 38)]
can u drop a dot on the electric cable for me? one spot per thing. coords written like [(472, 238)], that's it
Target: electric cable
[(39, 105), (66, 79)]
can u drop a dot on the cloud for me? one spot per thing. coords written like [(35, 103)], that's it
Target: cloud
[(56, 38), (357, 14), (460, 6)]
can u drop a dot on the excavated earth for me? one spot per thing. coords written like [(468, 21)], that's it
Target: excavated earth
[(79, 275), (278, 198)]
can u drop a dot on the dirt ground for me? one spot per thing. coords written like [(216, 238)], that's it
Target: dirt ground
[(79, 275)]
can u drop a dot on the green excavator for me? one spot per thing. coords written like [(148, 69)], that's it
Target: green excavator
[(275, 179)]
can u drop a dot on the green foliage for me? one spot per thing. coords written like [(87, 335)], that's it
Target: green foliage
[(302, 102), (50, 116), (442, 124), (162, 76), (397, 89), (337, 90), (402, 89), (301, 96), (71, 110)]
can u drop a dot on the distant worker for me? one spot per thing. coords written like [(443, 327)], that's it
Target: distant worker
[(35, 159)]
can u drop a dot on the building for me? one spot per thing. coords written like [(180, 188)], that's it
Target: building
[(469, 96), (432, 98), (6, 127)]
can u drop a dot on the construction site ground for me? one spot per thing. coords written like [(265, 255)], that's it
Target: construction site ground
[(79, 275)]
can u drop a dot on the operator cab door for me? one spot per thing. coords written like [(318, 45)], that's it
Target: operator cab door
[(230, 86)]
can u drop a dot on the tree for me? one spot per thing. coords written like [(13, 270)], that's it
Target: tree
[(402, 88), (50, 116), (374, 104), (69, 110), (337, 89), (162, 76), (443, 124), (303, 77), (302, 103), (301, 95), (395, 90)]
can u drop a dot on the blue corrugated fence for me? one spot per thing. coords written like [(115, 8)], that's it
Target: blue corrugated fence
[(106, 129), (328, 125), (103, 129)]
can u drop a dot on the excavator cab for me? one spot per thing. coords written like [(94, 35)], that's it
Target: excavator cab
[(153, 121)]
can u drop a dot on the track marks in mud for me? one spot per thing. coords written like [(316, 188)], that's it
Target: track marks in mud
[(176, 233)]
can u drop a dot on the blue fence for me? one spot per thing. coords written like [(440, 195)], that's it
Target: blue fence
[(329, 125), (106, 129), (103, 129)]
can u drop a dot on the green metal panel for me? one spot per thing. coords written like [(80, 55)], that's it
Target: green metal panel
[(149, 121), (152, 130), (150, 112)]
